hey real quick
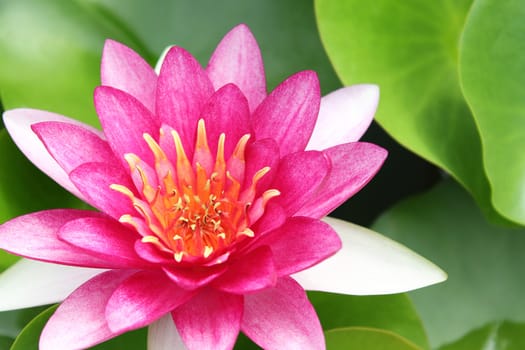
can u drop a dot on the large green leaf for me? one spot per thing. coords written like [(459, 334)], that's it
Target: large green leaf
[(484, 262), (358, 338), (492, 70), (409, 48), (496, 336)]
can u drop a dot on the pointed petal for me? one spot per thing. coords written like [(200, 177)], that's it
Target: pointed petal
[(282, 315), (163, 335), (194, 277), (300, 243), (94, 179), (125, 120), (124, 69), (344, 116), (298, 177), (226, 112), (210, 320), (79, 321), (161, 59), (182, 90), (353, 166), (106, 238), (369, 264), (18, 122), (50, 283), (142, 299), (72, 145), (289, 113), (237, 59), (35, 236), (251, 273), (260, 154)]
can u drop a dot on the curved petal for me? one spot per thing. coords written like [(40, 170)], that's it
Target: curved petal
[(210, 320), (289, 113), (94, 180), (106, 238), (18, 122), (50, 283), (72, 145), (369, 264), (237, 59), (260, 154), (282, 315), (194, 277), (125, 120), (124, 69), (344, 116), (183, 88), (79, 321), (300, 243), (353, 166), (142, 299), (163, 335), (35, 236)]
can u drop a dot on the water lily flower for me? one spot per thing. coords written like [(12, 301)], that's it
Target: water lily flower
[(210, 194)]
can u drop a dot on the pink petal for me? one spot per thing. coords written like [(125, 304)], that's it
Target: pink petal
[(274, 216), (124, 69), (163, 335), (344, 116), (260, 154), (183, 88), (289, 113), (237, 59), (125, 120), (194, 277), (142, 299), (72, 145), (298, 177), (251, 273), (35, 236), (226, 112), (18, 122), (79, 321), (94, 179), (210, 320), (300, 243), (106, 238), (282, 315), (353, 166)]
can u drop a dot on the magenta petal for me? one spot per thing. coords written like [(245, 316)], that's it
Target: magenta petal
[(282, 315), (260, 154), (72, 145), (124, 69), (125, 120), (106, 238), (79, 322), (251, 273), (317, 241), (194, 277), (298, 177), (211, 320), (353, 166), (289, 113), (237, 59), (182, 90), (35, 236), (94, 179), (142, 299), (226, 112)]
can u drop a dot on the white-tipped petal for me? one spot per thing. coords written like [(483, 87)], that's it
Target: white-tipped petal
[(163, 335), (31, 283), (344, 116), (369, 264)]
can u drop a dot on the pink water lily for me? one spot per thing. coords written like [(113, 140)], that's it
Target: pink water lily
[(210, 194)]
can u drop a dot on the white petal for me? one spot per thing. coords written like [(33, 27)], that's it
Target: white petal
[(31, 283), (163, 335), (344, 116), (369, 264), (161, 59), (18, 123)]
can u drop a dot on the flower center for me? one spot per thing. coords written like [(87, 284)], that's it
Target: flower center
[(199, 210)]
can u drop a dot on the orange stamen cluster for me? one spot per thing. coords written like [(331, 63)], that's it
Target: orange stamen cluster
[(194, 210)]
